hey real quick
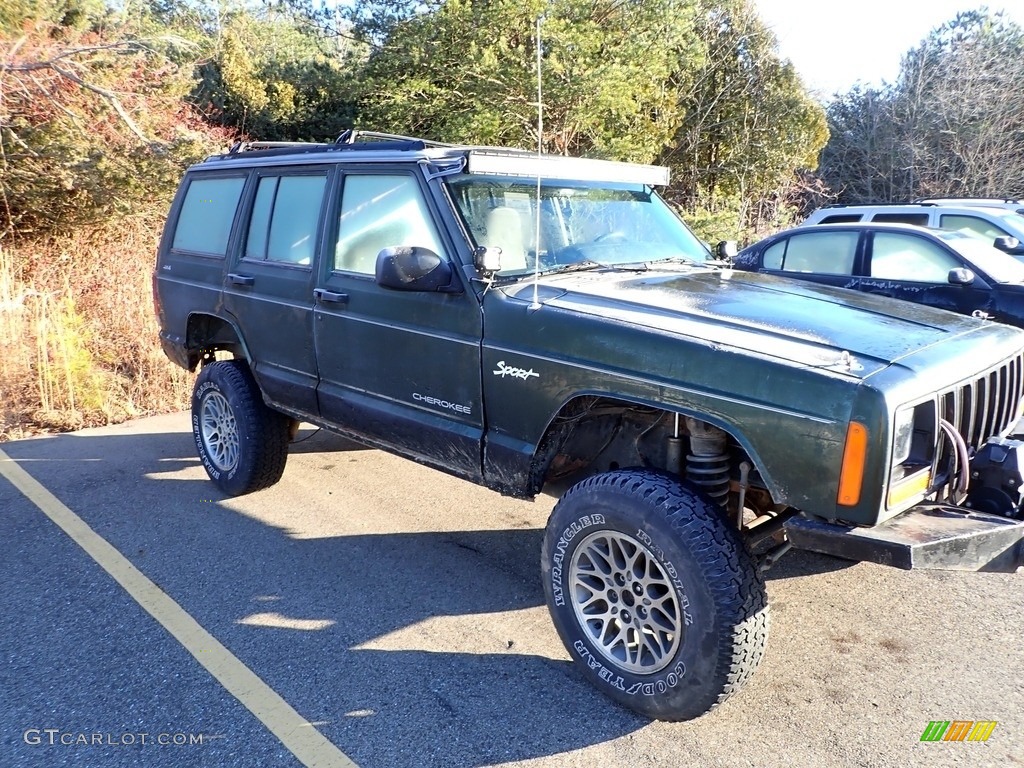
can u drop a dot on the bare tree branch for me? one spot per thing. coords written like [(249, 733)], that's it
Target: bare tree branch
[(109, 96), (57, 65)]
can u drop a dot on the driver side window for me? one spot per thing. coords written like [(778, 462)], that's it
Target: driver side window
[(380, 211)]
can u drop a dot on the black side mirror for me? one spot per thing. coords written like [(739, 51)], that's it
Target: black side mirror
[(961, 276), (726, 250), (409, 268), (1007, 243)]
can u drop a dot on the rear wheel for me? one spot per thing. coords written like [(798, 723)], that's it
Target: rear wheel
[(242, 443), (655, 596)]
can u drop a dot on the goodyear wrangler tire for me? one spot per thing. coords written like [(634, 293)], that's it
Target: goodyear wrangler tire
[(657, 599), (242, 443)]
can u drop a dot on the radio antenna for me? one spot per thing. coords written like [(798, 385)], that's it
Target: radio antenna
[(540, 152)]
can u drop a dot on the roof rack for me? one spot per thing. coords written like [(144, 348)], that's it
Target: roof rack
[(347, 141), (1011, 200), (256, 146), (351, 136), (921, 203)]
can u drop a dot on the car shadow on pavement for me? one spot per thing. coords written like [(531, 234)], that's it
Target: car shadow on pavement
[(798, 563), (427, 648), (312, 439)]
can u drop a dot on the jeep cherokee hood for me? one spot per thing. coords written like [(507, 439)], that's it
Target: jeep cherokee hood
[(819, 326)]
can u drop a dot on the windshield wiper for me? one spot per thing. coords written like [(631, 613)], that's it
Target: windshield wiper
[(587, 264), (686, 260)]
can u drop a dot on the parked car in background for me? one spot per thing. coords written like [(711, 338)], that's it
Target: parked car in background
[(1001, 227), (949, 270), (1009, 203)]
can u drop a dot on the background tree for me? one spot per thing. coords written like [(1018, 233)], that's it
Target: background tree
[(958, 98), (865, 158), (101, 107), (461, 70), (949, 126), (748, 128), (95, 129), (691, 83), (273, 76), (94, 122)]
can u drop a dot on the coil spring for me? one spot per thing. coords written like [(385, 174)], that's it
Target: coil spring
[(710, 474)]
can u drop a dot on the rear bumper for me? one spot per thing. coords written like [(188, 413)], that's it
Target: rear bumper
[(937, 538)]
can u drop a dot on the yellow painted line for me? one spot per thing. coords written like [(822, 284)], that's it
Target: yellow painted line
[(297, 734)]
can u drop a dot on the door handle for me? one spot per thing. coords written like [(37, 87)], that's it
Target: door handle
[(330, 297), (236, 279)]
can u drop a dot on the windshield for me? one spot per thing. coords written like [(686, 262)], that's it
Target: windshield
[(581, 223), (998, 265)]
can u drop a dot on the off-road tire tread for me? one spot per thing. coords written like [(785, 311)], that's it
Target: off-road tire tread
[(737, 586)]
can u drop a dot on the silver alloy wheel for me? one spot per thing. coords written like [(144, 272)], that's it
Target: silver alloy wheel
[(625, 602), (219, 431)]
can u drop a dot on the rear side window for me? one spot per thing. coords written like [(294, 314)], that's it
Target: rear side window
[(841, 218), (828, 253), (204, 220), (917, 219), (285, 215)]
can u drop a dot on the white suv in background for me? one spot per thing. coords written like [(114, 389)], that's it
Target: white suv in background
[(1002, 227), (1017, 206)]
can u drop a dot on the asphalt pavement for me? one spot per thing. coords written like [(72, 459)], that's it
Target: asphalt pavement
[(368, 610)]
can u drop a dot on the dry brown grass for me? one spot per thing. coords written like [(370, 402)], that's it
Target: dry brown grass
[(78, 338)]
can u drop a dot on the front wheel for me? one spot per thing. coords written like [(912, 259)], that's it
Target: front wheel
[(657, 599), (242, 443)]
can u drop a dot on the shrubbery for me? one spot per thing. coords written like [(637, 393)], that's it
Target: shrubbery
[(95, 133)]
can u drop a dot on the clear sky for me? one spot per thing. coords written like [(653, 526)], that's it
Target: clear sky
[(834, 45)]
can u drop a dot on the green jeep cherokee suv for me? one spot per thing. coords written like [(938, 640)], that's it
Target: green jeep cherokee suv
[(526, 321)]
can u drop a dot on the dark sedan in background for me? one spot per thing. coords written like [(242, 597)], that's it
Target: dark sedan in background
[(940, 268)]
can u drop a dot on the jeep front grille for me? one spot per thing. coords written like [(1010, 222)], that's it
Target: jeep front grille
[(986, 405)]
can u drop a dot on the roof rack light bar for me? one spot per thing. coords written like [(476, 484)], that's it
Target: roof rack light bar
[(568, 168)]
